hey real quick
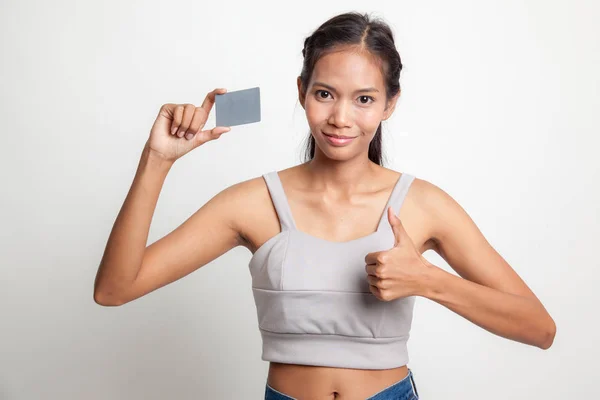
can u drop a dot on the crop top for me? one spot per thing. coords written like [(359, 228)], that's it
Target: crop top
[(312, 295)]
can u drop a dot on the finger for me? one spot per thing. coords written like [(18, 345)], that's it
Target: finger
[(371, 258), (370, 269), (373, 280), (197, 123), (211, 134), (220, 129), (375, 290), (177, 117), (397, 227), (377, 282), (188, 114), (209, 100)]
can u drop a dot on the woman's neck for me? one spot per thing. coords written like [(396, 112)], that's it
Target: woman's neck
[(340, 176)]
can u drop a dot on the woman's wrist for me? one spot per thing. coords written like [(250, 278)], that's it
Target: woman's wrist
[(153, 159), (432, 277)]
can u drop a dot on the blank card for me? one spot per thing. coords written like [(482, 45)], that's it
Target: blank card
[(237, 108)]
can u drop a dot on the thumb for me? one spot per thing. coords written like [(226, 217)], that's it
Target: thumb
[(211, 134), (397, 227)]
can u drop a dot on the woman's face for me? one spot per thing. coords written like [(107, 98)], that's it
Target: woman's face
[(345, 97)]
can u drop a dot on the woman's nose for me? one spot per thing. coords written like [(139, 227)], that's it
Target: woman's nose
[(340, 115)]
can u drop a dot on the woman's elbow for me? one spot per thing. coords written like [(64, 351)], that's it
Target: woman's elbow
[(549, 335)]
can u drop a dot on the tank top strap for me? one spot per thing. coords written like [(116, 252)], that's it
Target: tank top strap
[(280, 201), (396, 197)]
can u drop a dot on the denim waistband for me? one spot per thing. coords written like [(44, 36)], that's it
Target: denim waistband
[(404, 389)]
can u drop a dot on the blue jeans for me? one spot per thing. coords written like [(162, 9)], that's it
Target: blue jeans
[(405, 389)]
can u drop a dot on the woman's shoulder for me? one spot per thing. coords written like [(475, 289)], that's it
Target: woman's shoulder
[(247, 203), (426, 196), (437, 208), (427, 193), (247, 190), (255, 186)]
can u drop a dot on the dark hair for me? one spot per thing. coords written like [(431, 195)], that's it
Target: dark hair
[(354, 29)]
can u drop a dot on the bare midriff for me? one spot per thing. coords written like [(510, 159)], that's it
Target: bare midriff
[(326, 383)]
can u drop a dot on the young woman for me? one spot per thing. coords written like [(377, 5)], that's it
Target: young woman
[(337, 241)]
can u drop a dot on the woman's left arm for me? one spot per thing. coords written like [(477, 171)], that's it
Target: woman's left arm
[(491, 295)]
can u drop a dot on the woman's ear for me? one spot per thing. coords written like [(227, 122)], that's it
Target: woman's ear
[(301, 94), (391, 105)]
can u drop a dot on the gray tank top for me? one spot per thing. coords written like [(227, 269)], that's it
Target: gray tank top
[(312, 296)]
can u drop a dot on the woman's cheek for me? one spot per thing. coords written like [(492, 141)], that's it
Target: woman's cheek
[(313, 111), (368, 122)]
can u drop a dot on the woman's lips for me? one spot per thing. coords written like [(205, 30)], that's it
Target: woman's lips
[(338, 141)]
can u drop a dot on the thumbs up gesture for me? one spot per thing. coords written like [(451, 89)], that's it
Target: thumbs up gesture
[(400, 271)]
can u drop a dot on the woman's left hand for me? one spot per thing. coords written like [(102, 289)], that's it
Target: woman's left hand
[(400, 271)]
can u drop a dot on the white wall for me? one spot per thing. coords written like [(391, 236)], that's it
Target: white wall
[(499, 108)]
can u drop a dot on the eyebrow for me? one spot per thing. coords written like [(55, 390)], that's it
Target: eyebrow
[(369, 89)]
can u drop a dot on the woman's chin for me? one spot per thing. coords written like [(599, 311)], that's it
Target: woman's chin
[(336, 153)]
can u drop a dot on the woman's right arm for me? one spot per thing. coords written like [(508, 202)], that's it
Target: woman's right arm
[(128, 268)]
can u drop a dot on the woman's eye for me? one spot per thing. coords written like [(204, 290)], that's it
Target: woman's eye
[(323, 94)]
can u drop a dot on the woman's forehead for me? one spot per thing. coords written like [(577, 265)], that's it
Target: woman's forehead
[(348, 70)]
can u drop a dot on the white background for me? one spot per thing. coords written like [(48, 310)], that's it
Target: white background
[(499, 107)]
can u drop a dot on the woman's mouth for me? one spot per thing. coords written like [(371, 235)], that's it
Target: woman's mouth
[(338, 140)]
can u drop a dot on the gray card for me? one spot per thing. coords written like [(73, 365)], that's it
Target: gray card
[(237, 108)]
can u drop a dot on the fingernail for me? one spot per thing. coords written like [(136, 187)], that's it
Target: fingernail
[(173, 130), (188, 136)]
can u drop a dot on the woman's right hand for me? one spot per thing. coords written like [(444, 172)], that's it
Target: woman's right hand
[(177, 128)]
